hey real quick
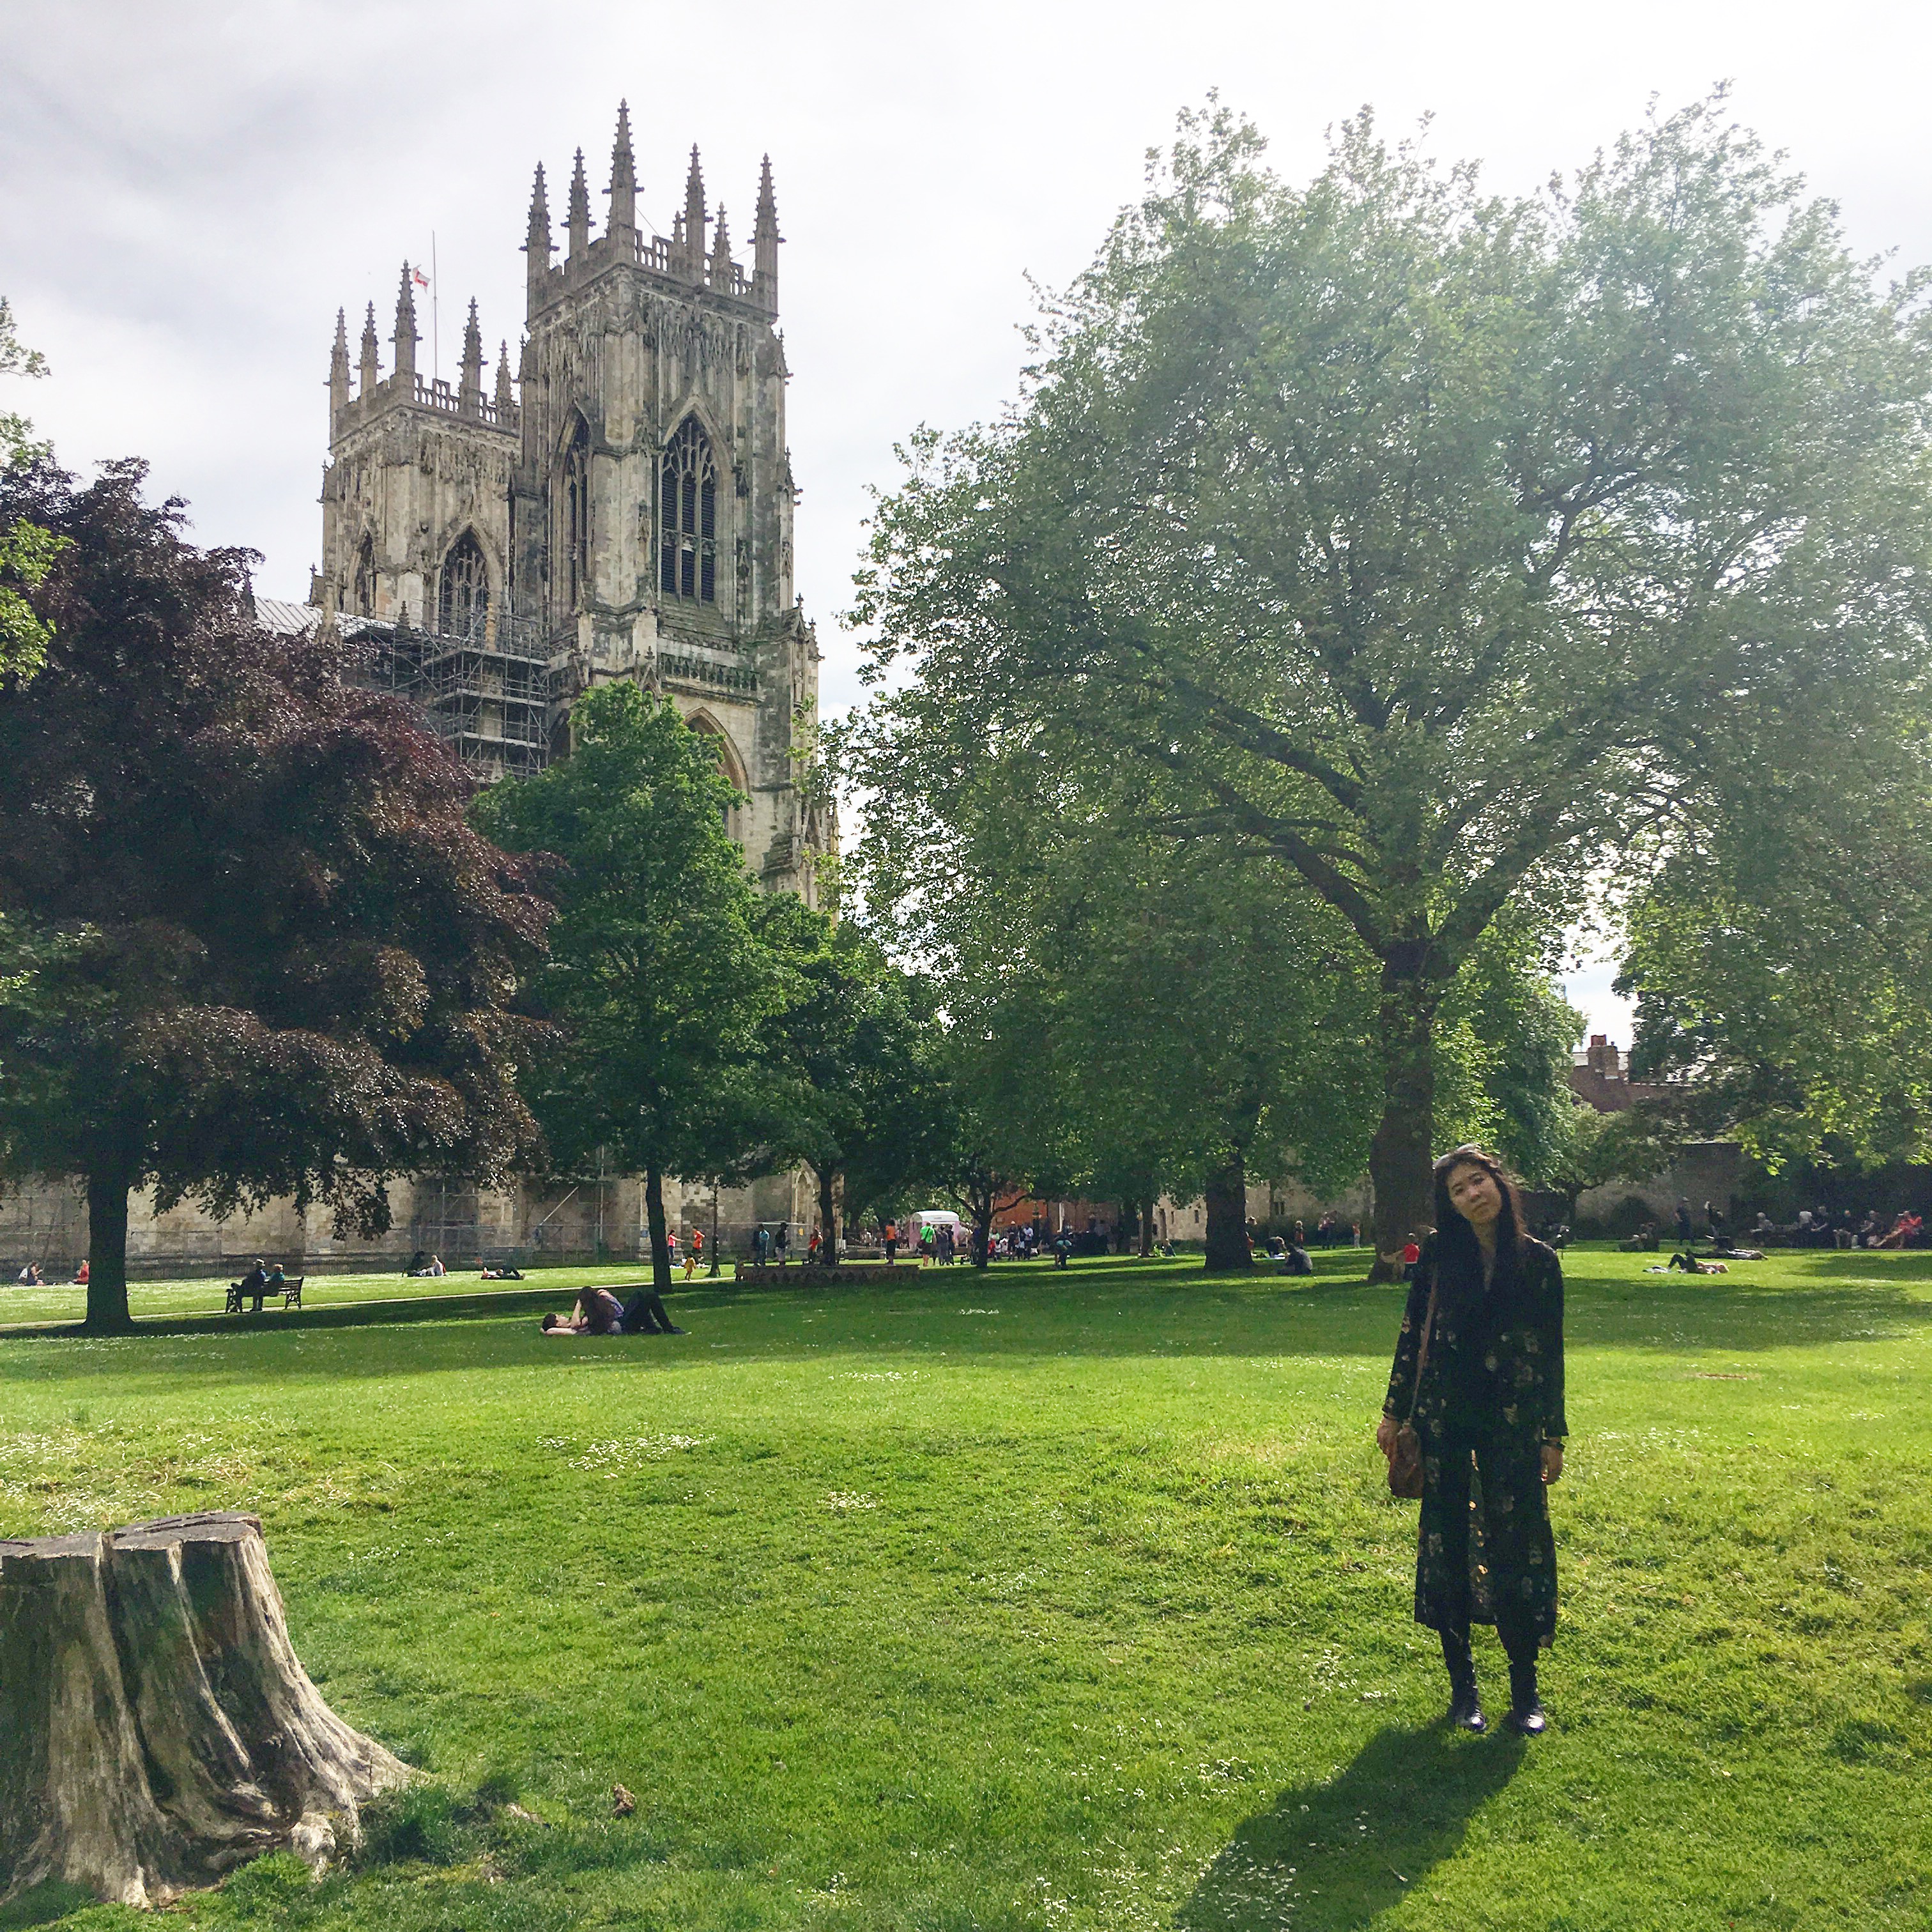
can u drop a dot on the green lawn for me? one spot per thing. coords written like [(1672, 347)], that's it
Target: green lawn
[(1063, 1601)]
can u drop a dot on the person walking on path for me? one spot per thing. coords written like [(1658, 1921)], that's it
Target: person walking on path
[(1487, 1392)]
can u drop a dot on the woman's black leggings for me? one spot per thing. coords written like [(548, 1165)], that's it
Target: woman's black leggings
[(1519, 1642)]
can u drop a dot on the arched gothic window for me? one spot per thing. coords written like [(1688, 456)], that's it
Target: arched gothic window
[(462, 604), (574, 516), (687, 554), (710, 729), (363, 593)]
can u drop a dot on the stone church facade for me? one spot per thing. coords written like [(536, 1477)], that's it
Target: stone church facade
[(619, 507)]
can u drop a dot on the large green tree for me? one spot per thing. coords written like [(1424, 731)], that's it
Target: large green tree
[(659, 983), (1423, 539), (849, 1054), (250, 945), (1782, 966)]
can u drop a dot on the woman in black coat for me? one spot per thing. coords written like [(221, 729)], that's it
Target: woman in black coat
[(1489, 1403)]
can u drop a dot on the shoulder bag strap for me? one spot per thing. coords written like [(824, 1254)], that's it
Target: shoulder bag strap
[(1428, 1329)]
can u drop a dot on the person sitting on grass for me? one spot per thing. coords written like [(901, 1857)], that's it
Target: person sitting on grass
[(80, 1276), (30, 1275)]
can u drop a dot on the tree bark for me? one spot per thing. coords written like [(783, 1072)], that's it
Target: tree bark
[(157, 1728), (1146, 1226), (1400, 1155), (654, 1216), (828, 1214), (1228, 1217), (107, 1185)]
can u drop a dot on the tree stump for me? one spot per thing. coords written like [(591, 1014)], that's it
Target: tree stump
[(157, 1728)]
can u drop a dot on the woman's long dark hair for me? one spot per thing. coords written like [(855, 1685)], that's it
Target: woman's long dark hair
[(1456, 1246)]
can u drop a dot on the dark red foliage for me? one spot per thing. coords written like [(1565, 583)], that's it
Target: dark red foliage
[(266, 953)]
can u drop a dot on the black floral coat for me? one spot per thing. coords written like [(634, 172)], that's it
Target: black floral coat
[(1491, 1397)]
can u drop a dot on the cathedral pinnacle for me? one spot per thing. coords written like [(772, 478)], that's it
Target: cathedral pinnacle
[(694, 219), (406, 336), (580, 212), (765, 240), (469, 390), (538, 247), (338, 368), (371, 372), (505, 397), (721, 276), (623, 225)]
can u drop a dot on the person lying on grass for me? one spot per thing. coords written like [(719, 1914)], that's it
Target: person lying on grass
[(598, 1312)]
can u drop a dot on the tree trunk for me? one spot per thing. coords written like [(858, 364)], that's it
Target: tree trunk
[(982, 1227), (1146, 1226), (654, 1215), (107, 1185), (828, 1214), (1228, 1217), (157, 1728), (1400, 1154)]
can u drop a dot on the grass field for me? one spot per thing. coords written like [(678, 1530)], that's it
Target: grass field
[(1058, 1601)]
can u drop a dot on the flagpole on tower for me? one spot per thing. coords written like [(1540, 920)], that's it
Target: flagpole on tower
[(435, 319)]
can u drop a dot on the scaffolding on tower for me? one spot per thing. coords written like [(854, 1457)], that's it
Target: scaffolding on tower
[(484, 690)]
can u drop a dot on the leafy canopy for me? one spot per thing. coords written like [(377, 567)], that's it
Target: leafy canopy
[(1425, 540), (249, 945)]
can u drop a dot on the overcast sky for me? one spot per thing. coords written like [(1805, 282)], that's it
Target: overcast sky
[(192, 189)]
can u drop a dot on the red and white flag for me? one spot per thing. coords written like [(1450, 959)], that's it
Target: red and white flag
[(421, 280)]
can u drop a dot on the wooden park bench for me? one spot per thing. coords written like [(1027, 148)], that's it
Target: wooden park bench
[(289, 1288)]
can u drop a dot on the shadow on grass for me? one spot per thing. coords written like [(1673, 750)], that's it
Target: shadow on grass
[(1335, 1854), (43, 1903)]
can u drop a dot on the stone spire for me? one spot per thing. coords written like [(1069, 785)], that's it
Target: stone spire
[(579, 213), (371, 371), (622, 229), (693, 220), (721, 277), (765, 240), (469, 388), (505, 397), (539, 247), (406, 337), (338, 368)]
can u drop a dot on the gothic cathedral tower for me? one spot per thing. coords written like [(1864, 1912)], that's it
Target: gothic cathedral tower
[(623, 510)]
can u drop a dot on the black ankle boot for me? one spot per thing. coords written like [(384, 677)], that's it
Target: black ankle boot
[(1465, 1706), (1525, 1707)]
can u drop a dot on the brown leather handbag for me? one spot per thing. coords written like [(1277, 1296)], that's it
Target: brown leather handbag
[(1405, 1459)]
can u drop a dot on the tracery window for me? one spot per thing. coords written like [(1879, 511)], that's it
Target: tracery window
[(575, 514), (363, 595), (463, 604), (687, 497)]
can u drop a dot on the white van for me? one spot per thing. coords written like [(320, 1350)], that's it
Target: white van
[(934, 1218)]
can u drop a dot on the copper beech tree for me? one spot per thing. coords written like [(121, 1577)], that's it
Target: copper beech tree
[(250, 945), (1426, 542)]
